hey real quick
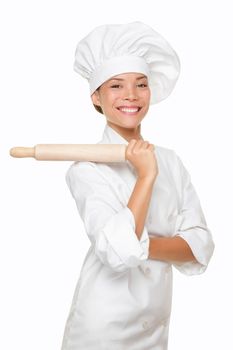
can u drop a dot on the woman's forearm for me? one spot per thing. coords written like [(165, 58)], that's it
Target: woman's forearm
[(139, 201), (172, 249)]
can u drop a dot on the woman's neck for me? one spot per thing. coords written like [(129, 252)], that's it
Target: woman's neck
[(127, 134)]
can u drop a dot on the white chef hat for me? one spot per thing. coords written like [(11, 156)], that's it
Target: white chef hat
[(114, 49)]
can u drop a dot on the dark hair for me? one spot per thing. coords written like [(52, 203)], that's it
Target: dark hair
[(98, 108)]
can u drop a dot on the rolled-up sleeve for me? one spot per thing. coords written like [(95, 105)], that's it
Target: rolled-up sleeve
[(109, 225), (192, 227)]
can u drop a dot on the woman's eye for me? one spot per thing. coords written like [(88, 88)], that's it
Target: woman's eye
[(115, 86)]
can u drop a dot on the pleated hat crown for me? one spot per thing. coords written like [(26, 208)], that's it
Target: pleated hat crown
[(114, 49)]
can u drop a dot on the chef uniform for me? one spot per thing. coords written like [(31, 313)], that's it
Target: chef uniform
[(123, 298)]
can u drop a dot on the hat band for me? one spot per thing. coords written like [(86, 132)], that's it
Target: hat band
[(115, 66)]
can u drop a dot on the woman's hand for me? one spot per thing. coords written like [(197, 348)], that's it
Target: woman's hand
[(141, 155)]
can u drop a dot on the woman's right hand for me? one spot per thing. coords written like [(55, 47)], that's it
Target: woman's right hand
[(141, 155)]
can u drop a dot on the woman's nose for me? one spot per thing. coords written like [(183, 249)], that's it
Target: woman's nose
[(130, 94)]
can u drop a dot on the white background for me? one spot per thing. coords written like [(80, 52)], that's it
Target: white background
[(43, 242)]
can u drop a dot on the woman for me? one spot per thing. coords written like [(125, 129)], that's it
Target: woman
[(141, 216)]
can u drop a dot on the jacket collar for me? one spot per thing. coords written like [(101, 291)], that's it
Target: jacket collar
[(112, 136)]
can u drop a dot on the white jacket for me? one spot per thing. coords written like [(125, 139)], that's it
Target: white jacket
[(122, 300)]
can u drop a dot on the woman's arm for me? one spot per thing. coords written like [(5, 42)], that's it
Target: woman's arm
[(139, 202), (172, 249), (141, 155)]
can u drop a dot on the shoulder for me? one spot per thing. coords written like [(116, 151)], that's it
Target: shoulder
[(83, 178), (164, 150), (80, 166), (87, 174), (166, 155), (81, 169), (170, 160)]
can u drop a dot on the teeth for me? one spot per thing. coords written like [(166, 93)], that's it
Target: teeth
[(129, 110)]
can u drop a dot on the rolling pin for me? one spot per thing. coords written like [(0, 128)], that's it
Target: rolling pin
[(74, 152)]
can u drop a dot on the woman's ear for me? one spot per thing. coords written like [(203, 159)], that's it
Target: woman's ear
[(95, 98)]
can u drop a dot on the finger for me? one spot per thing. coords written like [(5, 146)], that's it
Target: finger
[(145, 144), (130, 146), (131, 143), (138, 145), (151, 147)]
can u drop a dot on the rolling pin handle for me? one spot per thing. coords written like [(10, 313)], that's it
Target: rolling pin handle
[(21, 152)]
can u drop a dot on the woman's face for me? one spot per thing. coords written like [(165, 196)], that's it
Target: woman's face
[(124, 99)]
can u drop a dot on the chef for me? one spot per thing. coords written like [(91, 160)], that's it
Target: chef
[(143, 216)]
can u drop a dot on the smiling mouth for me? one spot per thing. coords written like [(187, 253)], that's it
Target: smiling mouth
[(129, 110)]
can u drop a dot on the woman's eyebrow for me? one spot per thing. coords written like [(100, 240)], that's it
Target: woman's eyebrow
[(121, 79), (142, 77)]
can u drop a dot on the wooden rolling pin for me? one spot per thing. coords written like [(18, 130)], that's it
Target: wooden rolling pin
[(74, 152)]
